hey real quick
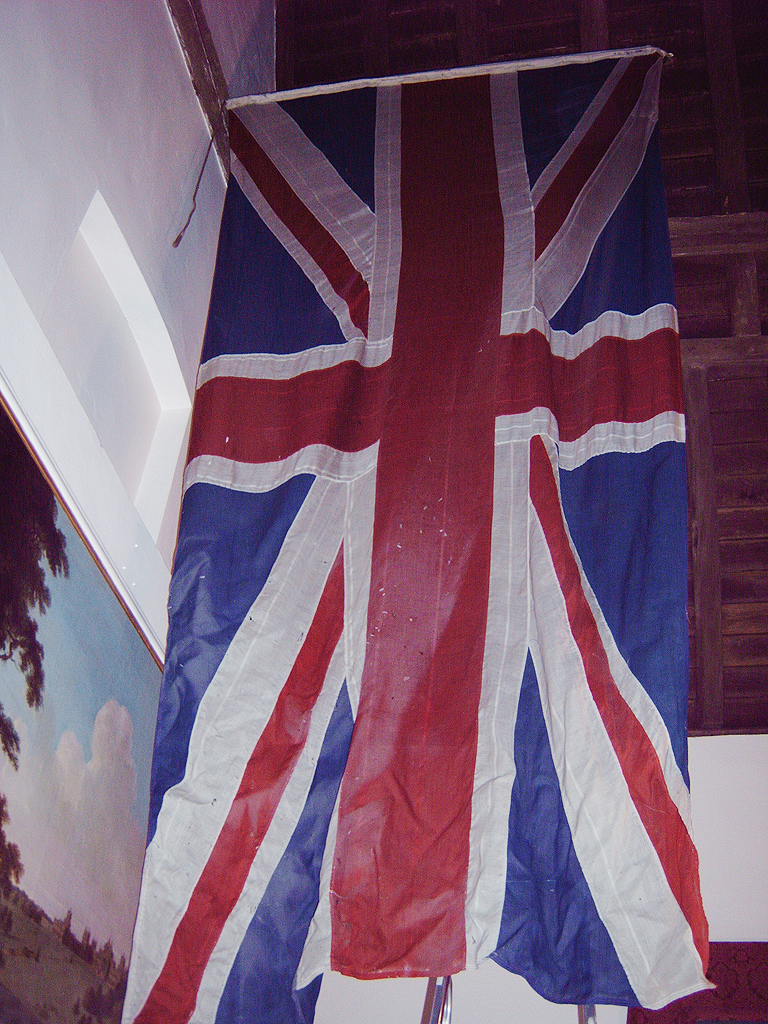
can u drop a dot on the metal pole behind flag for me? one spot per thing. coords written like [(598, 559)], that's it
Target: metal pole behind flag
[(587, 1014), (437, 1005)]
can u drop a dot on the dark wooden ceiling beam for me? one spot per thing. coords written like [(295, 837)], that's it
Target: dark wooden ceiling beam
[(724, 87), (376, 38), (744, 294), (722, 235), (730, 154), (285, 44), (205, 70), (471, 33), (593, 25), (706, 352)]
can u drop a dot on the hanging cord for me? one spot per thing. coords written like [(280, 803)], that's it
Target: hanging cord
[(180, 235), (437, 1005)]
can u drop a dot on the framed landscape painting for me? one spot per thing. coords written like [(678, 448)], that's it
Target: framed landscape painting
[(78, 701)]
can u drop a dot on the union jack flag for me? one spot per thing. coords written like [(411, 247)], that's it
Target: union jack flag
[(426, 680)]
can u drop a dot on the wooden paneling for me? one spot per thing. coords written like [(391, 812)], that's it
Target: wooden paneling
[(593, 25), (726, 105), (737, 398), (537, 27), (726, 235), (335, 42), (706, 611), (750, 29), (701, 287), (744, 586), (422, 35)]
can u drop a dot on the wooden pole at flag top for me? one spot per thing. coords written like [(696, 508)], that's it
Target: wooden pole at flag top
[(445, 73)]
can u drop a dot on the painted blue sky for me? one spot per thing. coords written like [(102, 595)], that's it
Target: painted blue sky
[(78, 802), (92, 653)]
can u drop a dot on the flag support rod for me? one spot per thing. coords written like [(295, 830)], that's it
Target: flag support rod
[(429, 76), (437, 1004), (587, 1014)]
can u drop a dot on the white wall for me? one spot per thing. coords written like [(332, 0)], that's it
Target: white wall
[(729, 787), (96, 97), (729, 793)]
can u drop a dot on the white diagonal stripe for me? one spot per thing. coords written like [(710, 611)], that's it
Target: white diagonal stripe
[(515, 196), (386, 261), (294, 248), (586, 121), (315, 181), (562, 263), (651, 936), (232, 714), (272, 848)]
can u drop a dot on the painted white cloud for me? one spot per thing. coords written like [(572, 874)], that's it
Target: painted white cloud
[(73, 821)]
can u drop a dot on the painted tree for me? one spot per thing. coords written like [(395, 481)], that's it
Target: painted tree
[(11, 868), (29, 538)]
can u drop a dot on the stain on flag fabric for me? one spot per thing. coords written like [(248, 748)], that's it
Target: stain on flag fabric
[(425, 690)]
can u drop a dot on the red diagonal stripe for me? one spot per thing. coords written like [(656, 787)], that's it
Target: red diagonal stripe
[(557, 202), (344, 277), (256, 420), (634, 750), (613, 381), (174, 994)]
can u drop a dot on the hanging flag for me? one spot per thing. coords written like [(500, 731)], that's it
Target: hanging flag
[(426, 681)]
